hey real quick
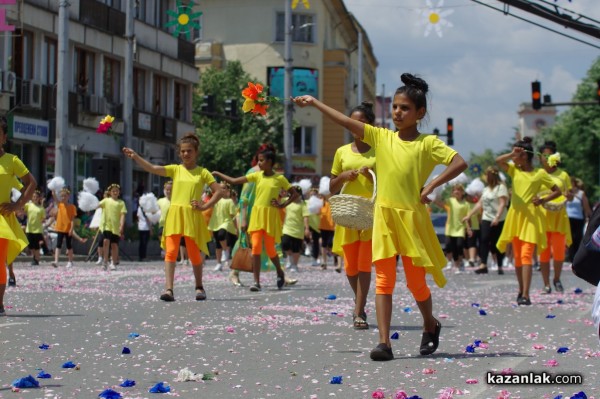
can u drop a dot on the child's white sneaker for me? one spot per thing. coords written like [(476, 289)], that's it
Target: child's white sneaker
[(294, 268), (224, 256), (69, 264), (112, 266), (218, 267), (100, 260)]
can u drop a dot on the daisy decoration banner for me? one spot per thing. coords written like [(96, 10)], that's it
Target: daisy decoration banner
[(434, 18), (184, 19)]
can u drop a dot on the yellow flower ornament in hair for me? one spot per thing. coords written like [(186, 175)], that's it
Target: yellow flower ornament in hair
[(554, 159)]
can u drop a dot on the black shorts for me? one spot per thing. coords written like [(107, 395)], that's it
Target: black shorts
[(59, 239), (473, 241), (327, 238), (455, 246), (34, 240), (224, 235), (289, 243), (110, 236)]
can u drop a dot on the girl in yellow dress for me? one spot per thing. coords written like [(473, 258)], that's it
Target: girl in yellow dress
[(12, 236), (558, 227), (34, 230), (404, 160), (185, 212), (524, 226), (265, 221), (113, 211), (223, 226), (350, 166)]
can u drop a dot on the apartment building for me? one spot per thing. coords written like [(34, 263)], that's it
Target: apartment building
[(325, 63), (163, 78)]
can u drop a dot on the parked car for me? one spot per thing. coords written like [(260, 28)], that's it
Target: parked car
[(439, 225)]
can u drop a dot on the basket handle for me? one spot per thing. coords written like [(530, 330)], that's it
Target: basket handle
[(374, 186)]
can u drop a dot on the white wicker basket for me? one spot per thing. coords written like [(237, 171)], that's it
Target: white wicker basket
[(353, 211)]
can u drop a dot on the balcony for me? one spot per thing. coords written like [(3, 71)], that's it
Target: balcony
[(101, 16)]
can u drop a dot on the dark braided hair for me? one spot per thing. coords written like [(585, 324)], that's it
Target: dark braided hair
[(366, 108), (415, 89), (526, 144)]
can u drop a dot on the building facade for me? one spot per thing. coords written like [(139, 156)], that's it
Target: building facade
[(163, 77), (531, 121), (325, 40)]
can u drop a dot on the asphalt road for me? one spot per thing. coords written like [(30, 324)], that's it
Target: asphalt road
[(291, 343)]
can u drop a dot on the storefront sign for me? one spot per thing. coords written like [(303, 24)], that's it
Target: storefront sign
[(4, 26), (30, 129), (144, 121)]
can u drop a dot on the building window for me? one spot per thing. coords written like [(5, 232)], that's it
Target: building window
[(23, 54), (111, 80), (139, 89), (304, 140), (181, 102), (160, 14), (83, 167), (160, 95), (303, 28), (51, 56), (140, 10), (85, 71), (114, 4)]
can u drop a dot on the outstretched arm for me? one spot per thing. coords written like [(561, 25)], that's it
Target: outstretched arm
[(503, 159), (147, 166), (229, 179), (456, 166), (216, 196), (357, 128)]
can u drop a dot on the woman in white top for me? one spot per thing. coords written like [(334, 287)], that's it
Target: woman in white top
[(493, 201), (578, 210)]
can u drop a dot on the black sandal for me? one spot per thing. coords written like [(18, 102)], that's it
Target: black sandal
[(382, 353), (429, 341), (359, 322), (200, 293), (167, 296)]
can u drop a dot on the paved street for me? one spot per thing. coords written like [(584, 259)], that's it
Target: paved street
[(289, 343)]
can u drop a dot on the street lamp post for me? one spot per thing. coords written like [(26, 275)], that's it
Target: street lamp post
[(287, 90)]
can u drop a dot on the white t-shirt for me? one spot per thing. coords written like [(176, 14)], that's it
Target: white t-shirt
[(596, 311), (490, 201), (143, 224)]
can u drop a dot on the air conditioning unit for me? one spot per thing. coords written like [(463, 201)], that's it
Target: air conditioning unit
[(92, 105), (8, 82), (31, 94)]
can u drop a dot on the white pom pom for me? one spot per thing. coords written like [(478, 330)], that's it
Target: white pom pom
[(314, 205), (153, 217), (87, 202), (91, 185), (95, 223), (475, 187), (305, 185), (56, 184), (460, 179), (502, 177), (324, 185), (14, 194), (149, 203)]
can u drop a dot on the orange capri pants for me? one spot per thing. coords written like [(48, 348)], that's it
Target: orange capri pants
[(523, 252), (260, 236), (557, 244), (172, 250), (3, 255), (385, 280), (358, 257)]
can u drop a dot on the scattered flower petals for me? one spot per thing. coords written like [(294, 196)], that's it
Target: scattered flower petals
[(26, 382), (507, 371), (551, 363), (538, 346), (378, 395), (336, 380), (127, 383), (69, 365), (110, 394), (428, 371), (188, 375), (472, 381), (160, 387), (230, 329), (400, 395)]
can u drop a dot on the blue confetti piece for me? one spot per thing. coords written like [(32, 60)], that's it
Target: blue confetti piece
[(160, 388), (407, 309), (336, 380), (126, 351), (470, 349), (133, 335), (558, 397), (578, 291), (475, 305), (415, 397), (127, 383), (69, 365), (110, 394), (482, 312), (477, 342), (395, 335), (562, 349), (43, 374), (44, 347), (331, 297), (560, 302), (26, 382), (550, 316), (333, 313), (579, 395)]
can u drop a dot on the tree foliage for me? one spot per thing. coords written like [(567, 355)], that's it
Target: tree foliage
[(577, 135), (228, 145)]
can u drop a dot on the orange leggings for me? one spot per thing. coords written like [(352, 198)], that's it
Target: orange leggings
[(172, 249), (3, 256), (557, 243), (385, 280), (523, 252), (257, 238), (357, 257)]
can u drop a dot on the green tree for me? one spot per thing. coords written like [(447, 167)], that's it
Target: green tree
[(577, 135), (228, 145), (488, 158)]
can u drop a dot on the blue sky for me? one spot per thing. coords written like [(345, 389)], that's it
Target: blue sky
[(481, 69)]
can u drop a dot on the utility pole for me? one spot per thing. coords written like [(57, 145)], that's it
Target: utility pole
[(383, 105), (287, 90), (360, 67), (62, 94), (127, 177)]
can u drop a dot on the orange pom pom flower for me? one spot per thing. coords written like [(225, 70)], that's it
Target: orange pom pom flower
[(255, 100)]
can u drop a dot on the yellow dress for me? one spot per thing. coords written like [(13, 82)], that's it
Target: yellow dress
[(401, 222), (293, 224), (346, 159), (181, 219), (558, 221), (223, 215), (163, 203), (112, 211), (525, 220), (264, 215), (10, 229), (35, 217), (457, 210)]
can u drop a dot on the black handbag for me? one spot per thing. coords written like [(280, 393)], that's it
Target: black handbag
[(586, 264)]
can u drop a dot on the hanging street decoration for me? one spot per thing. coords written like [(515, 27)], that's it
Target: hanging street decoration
[(304, 2), (185, 20), (434, 18)]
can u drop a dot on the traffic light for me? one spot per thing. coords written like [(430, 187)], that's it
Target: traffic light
[(208, 105), (536, 95), (231, 108), (450, 131)]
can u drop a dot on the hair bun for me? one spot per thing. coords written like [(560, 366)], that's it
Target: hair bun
[(367, 104), (414, 81), (527, 139)]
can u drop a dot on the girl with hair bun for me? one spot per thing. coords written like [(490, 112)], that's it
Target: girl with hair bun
[(114, 211), (65, 215), (351, 165), (524, 224), (404, 159), (184, 218)]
